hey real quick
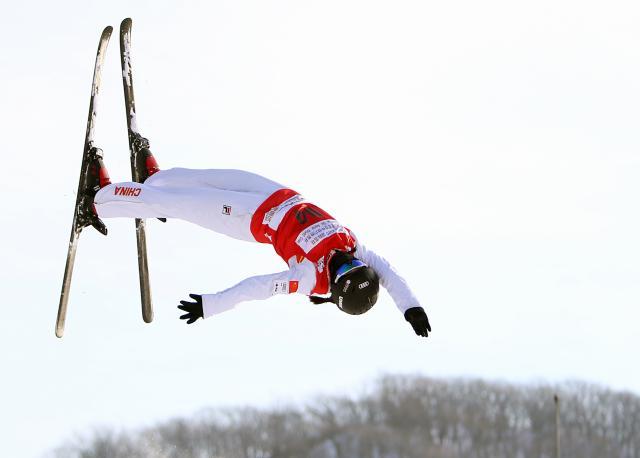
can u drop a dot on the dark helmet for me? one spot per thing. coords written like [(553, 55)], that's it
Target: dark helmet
[(354, 285)]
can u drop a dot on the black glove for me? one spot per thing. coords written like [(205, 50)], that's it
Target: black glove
[(319, 300), (418, 320), (193, 309)]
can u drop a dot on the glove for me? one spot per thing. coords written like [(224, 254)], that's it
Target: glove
[(319, 300), (418, 320), (193, 309)]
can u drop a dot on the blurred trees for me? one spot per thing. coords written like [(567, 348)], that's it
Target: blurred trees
[(401, 417)]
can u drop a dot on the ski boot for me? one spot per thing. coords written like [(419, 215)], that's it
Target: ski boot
[(145, 163), (96, 177)]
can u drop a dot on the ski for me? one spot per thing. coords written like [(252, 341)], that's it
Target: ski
[(80, 218), (136, 172)]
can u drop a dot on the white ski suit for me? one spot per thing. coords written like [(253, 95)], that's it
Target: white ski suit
[(249, 207)]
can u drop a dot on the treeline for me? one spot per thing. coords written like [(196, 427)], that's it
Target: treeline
[(400, 417)]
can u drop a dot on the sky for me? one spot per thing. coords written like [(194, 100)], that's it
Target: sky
[(489, 150)]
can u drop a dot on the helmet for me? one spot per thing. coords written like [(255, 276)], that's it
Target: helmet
[(354, 287)]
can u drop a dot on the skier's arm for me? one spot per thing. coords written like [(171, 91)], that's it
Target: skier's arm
[(253, 288), (389, 278), (298, 279), (398, 289)]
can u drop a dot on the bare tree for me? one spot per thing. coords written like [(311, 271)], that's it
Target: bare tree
[(400, 417)]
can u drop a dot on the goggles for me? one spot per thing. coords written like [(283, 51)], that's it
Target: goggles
[(347, 267)]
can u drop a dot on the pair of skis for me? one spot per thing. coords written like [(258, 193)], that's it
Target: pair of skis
[(79, 222)]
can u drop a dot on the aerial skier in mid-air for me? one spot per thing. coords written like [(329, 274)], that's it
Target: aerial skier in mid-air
[(326, 261)]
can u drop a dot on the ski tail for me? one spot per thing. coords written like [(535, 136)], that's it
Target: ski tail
[(66, 283)]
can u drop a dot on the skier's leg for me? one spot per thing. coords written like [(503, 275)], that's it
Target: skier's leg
[(228, 179), (226, 212)]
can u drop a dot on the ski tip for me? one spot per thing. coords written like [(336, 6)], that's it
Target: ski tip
[(106, 33), (59, 332), (126, 23)]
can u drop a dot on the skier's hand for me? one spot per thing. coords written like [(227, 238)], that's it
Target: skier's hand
[(418, 320), (193, 309)]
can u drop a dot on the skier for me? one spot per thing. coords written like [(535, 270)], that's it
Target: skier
[(326, 261)]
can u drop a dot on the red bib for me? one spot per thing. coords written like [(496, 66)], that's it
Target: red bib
[(302, 230)]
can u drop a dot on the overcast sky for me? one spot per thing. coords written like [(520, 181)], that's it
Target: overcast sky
[(488, 149)]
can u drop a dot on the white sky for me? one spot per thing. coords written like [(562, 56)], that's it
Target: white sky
[(488, 149)]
